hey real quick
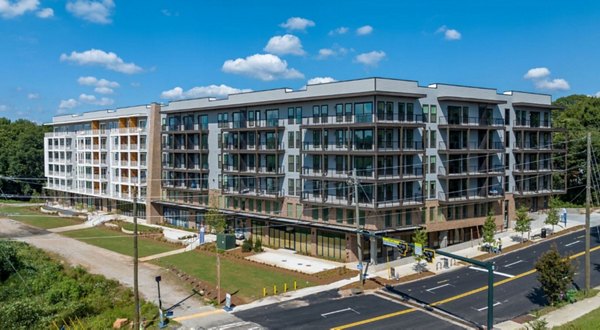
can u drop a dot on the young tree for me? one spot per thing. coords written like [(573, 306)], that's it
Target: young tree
[(523, 221), (552, 218), (555, 273), (489, 229), (419, 237)]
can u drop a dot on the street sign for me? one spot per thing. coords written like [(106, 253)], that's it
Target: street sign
[(418, 249), (391, 242)]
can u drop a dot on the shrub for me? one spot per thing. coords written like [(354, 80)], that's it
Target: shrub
[(246, 246), (258, 245)]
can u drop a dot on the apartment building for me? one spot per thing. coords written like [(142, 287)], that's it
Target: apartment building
[(103, 159)]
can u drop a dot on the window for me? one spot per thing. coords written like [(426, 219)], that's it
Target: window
[(291, 116), (425, 113), (401, 111), (339, 113), (315, 214), (432, 160), (298, 190), (316, 113), (325, 214), (272, 117), (433, 114), (363, 139), (340, 138), (431, 189), (410, 112), (291, 139), (388, 220), (316, 135), (432, 138), (361, 218), (298, 138), (290, 210), (380, 110), (291, 189), (348, 110), (298, 115), (506, 116), (363, 112), (298, 164), (250, 118), (408, 218), (324, 113), (339, 215), (291, 163), (350, 217)]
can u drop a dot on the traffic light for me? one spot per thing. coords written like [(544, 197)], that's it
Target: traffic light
[(402, 248), (429, 254)]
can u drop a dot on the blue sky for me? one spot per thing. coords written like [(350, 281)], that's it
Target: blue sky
[(80, 55)]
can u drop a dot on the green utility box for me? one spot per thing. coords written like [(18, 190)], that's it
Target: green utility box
[(225, 241)]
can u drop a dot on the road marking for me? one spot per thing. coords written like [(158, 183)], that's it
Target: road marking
[(197, 315), (582, 236), (572, 243), (232, 325), (440, 282), (437, 287), (514, 263), (447, 300), (339, 311), (484, 308), (485, 270)]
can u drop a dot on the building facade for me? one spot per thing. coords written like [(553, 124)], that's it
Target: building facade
[(280, 162), (100, 160)]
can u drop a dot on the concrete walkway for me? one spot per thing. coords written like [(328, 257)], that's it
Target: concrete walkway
[(70, 228), (289, 259), (560, 316), (164, 254)]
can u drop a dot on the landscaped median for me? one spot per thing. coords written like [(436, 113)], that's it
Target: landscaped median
[(32, 216)]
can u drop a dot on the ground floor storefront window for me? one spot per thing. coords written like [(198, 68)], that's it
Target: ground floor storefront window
[(331, 245)]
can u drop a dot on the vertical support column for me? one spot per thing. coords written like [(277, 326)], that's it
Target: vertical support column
[(153, 143), (373, 241)]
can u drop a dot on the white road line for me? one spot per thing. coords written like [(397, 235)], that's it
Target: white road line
[(513, 263), (437, 287), (339, 311), (485, 270), (582, 236), (484, 308), (572, 243)]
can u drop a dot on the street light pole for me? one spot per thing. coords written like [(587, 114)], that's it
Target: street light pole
[(588, 200), (358, 235), (136, 319)]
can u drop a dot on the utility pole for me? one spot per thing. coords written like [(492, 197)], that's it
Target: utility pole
[(136, 294), (358, 234), (588, 200)]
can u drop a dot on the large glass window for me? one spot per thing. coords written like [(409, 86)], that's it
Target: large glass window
[(272, 117), (339, 113), (363, 139), (363, 112)]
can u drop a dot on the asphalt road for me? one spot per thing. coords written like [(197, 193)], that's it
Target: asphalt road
[(461, 292)]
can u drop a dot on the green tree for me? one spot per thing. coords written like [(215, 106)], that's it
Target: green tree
[(552, 219), (9, 261), (555, 274), (523, 221), (489, 229), (215, 220), (419, 237)]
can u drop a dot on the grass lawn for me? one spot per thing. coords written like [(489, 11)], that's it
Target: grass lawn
[(141, 228), (119, 242), (590, 321), (247, 278), (32, 216)]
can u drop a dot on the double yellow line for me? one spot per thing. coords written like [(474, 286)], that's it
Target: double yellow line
[(447, 300)]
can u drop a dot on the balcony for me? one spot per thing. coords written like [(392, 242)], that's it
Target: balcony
[(534, 146), (482, 146), (263, 124), (367, 119), (473, 170), (533, 167), (492, 192), (533, 192), (470, 122), (414, 200), (266, 193), (339, 174), (535, 124)]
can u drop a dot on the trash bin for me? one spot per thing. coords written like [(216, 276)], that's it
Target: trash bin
[(543, 233)]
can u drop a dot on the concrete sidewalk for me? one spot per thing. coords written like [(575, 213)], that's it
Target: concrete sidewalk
[(560, 316), (70, 228), (164, 254)]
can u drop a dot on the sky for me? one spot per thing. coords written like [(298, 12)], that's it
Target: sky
[(63, 57)]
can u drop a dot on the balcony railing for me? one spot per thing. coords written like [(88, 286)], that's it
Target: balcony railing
[(485, 192), (470, 170), (539, 146), (470, 146), (263, 123), (471, 121), (253, 192), (533, 123), (345, 119)]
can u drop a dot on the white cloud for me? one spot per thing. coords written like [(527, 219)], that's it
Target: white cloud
[(92, 11), (68, 104), (45, 13), (320, 80), (541, 80), (3, 107), (102, 86), (297, 23), (364, 30), (449, 34), (325, 53), (371, 58), (557, 84), (169, 13), (285, 44), (265, 67), (103, 90), (178, 93), (99, 57), (10, 9), (33, 96), (597, 94), (91, 99), (536, 73), (340, 30)]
